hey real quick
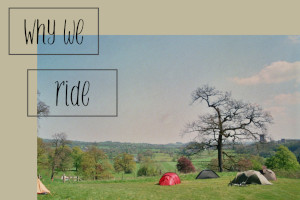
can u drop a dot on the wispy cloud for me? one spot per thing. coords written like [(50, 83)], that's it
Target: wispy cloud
[(277, 110), (290, 99), (276, 72), (278, 105), (294, 38)]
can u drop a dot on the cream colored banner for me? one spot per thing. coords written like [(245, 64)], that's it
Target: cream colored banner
[(117, 17)]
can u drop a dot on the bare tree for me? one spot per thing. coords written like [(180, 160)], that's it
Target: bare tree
[(59, 139), (42, 108), (229, 121), (59, 143)]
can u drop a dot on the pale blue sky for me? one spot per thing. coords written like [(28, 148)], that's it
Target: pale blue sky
[(158, 73)]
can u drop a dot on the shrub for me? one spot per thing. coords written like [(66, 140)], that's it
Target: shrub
[(283, 159), (257, 162), (239, 162), (244, 164), (213, 164), (228, 165), (185, 165), (148, 168), (287, 173)]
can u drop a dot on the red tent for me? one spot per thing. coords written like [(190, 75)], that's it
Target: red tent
[(169, 179)]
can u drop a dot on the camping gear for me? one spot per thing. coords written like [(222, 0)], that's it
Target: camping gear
[(169, 178), (41, 188), (206, 174), (250, 177), (269, 174)]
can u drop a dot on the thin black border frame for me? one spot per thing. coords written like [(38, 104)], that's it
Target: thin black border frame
[(117, 92), (9, 53)]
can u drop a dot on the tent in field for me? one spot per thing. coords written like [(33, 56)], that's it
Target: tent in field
[(205, 174), (41, 189), (250, 177), (169, 178), (269, 174)]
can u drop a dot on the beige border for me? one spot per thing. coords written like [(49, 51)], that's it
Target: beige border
[(161, 17)]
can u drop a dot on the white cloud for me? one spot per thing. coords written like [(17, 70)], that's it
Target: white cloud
[(294, 38), (291, 99), (277, 110), (276, 72)]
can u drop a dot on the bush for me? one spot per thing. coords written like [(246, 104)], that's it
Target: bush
[(148, 168), (185, 165), (287, 173), (244, 164), (239, 162), (228, 165), (257, 162), (213, 164), (283, 159)]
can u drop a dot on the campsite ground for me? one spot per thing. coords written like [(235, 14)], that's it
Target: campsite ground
[(147, 188)]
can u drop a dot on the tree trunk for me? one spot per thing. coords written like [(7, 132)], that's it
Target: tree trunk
[(52, 173), (220, 157)]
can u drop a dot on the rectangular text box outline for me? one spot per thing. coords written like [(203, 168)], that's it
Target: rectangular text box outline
[(50, 8), (117, 98)]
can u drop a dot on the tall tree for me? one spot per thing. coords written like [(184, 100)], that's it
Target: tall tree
[(95, 164), (87, 166), (124, 162), (57, 154), (42, 154), (102, 165), (77, 154), (66, 159), (228, 120)]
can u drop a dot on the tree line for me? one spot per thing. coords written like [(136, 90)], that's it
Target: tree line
[(91, 163)]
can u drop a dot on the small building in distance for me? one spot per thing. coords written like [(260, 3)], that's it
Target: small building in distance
[(283, 140), (262, 138)]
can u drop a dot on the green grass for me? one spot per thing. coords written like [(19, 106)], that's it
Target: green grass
[(162, 157), (147, 188), (168, 166)]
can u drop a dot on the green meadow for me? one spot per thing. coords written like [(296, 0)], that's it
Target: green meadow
[(130, 186), (190, 188)]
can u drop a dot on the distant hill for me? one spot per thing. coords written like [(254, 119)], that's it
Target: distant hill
[(113, 148)]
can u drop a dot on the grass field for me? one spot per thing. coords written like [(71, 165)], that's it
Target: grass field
[(147, 188)]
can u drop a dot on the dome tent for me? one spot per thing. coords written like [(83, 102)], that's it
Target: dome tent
[(250, 177), (169, 178), (269, 174), (206, 174)]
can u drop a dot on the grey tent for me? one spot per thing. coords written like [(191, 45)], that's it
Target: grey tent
[(205, 174), (250, 177), (269, 174)]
